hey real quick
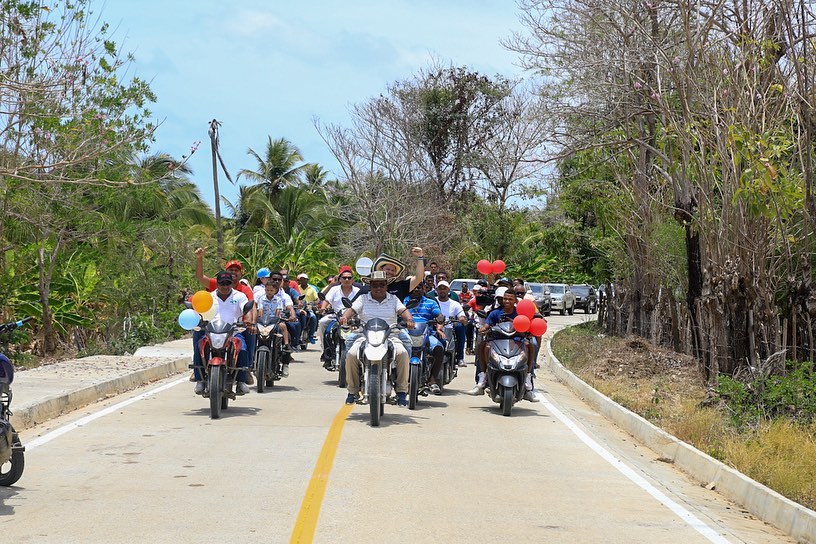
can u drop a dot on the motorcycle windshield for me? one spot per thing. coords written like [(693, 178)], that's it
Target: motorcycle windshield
[(219, 327), (419, 328), (506, 347), (268, 319)]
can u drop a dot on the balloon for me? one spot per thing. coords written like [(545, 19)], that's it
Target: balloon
[(209, 314), (201, 301), (521, 323), (538, 326), (498, 266), (527, 308), (188, 319), (484, 267)]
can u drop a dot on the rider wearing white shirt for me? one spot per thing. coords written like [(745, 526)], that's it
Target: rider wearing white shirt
[(334, 298), (453, 309)]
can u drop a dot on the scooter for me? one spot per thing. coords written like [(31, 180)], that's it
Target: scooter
[(506, 365), (12, 451)]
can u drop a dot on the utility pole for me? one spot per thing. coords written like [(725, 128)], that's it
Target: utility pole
[(214, 145)]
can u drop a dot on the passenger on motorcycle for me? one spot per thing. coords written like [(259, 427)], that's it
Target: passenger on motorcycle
[(401, 288), (308, 319), (378, 302), (453, 310), (442, 276), (291, 288), (229, 304), (275, 301), (259, 288), (334, 300), (427, 311), (236, 270), (506, 313)]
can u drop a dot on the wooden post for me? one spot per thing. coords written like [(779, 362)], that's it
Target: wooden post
[(214, 146)]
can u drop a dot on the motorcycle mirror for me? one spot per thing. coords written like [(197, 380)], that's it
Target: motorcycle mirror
[(346, 302), (321, 295), (481, 313), (188, 304), (248, 306), (363, 266), (301, 297), (413, 303)]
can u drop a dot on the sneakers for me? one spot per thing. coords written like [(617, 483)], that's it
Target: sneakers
[(250, 380), (303, 347), (287, 348), (461, 363), (402, 398), (435, 389), (241, 388), (530, 396), (327, 365), (199, 387), (351, 398), (480, 385), (313, 340), (528, 382), (285, 371)]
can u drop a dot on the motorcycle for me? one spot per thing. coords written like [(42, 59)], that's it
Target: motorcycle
[(338, 335), (420, 367), (449, 368), (269, 356), (378, 366), (220, 349), (12, 451), (506, 365)]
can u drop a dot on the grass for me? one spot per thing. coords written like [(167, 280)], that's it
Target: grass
[(666, 388)]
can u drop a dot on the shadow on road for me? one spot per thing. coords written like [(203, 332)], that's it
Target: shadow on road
[(519, 410), (275, 388), (5, 494), (232, 411), (393, 417)]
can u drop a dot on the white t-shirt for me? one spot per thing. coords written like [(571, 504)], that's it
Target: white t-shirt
[(450, 308), (232, 309), (335, 295), (367, 308), (259, 291)]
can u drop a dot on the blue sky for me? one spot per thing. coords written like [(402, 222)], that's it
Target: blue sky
[(269, 68)]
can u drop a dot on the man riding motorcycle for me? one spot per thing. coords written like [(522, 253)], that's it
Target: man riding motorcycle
[(377, 303), (334, 300), (427, 311), (453, 310), (308, 319), (506, 313)]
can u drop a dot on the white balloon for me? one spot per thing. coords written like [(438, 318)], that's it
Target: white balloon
[(209, 314)]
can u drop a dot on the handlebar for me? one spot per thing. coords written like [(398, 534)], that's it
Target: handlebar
[(12, 325)]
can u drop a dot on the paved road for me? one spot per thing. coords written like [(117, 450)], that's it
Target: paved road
[(151, 466)]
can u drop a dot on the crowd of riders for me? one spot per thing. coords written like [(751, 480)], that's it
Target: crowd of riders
[(308, 310)]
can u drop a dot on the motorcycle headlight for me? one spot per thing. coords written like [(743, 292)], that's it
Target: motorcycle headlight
[(511, 362), (218, 340), (375, 338), (266, 330)]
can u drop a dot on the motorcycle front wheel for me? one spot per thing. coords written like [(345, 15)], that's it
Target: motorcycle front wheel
[(507, 401), (11, 471), (374, 393), (413, 386), (216, 391), (261, 368), (340, 364)]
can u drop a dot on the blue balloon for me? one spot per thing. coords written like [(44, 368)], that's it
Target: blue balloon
[(188, 319)]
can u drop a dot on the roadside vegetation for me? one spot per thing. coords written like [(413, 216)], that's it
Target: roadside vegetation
[(765, 428)]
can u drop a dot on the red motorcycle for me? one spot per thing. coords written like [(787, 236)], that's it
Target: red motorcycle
[(220, 349)]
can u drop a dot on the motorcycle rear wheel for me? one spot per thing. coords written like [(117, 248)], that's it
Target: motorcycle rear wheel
[(507, 401), (413, 386), (374, 393), (216, 392), (340, 364), (13, 468)]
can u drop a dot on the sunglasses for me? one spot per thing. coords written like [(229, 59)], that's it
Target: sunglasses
[(224, 283), (377, 285), (275, 279), (346, 277)]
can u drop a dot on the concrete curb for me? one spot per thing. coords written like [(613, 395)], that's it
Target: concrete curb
[(764, 503), (27, 416)]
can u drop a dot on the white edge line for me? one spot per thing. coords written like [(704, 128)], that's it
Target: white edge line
[(624, 469), (56, 433)]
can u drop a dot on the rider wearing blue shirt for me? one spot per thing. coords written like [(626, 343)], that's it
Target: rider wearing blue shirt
[(427, 311)]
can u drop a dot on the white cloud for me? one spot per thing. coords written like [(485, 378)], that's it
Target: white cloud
[(249, 23)]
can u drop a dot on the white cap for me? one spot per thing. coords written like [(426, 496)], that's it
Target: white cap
[(443, 282), (500, 291), (302, 276)]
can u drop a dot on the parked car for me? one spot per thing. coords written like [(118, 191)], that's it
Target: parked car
[(456, 285), (542, 297), (562, 298), (585, 298)]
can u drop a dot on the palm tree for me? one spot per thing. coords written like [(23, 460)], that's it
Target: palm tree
[(280, 167)]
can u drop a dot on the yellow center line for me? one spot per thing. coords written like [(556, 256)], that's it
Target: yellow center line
[(306, 522)]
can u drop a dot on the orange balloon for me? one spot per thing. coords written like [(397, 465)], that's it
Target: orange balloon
[(521, 323), (201, 301)]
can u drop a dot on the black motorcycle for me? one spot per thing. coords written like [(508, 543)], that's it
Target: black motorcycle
[(12, 451), (506, 365), (269, 355)]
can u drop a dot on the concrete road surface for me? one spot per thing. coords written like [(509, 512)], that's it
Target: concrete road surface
[(286, 465)]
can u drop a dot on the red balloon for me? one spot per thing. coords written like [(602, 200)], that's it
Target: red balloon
[(538, 326), (484, 267), (521, 323), (498, 266), (526, 308)]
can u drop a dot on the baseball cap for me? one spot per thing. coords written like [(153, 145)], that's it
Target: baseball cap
[(345, 268), (264, 273), (443, 282), (304, 276), (234, 264), (500, 291), (223, 278)]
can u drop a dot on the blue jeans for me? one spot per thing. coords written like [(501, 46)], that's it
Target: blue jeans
[(308, 322), (459, 331), (294, 332)]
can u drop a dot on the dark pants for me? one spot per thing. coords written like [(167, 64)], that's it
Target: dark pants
[(459, 331), (470, 331), (294, 332), (308, 322)]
